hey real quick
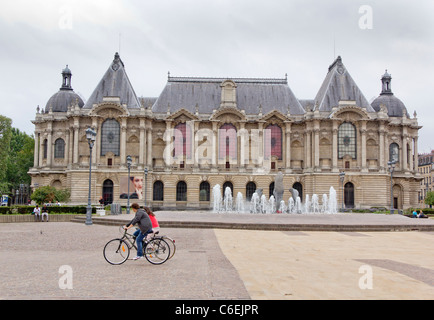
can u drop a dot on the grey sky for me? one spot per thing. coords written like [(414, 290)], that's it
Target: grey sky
[(237, 38)]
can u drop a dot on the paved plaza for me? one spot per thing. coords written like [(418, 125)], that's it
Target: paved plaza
[(63, 260)]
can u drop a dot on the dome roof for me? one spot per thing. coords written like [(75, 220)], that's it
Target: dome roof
[(395, 107), (60, 101), (65, 97)]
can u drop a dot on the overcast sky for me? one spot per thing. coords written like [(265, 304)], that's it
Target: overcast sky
[(224, 38)]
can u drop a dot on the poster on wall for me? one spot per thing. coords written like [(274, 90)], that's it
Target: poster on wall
[(136, 187)]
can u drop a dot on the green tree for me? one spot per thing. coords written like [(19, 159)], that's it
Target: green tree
[(429, 199), (20, 158), (5, 138), (48, 193)]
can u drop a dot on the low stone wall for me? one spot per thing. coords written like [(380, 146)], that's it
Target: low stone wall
[(15, 218)]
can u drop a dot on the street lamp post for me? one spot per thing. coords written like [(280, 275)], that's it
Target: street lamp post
[(391, 165), (342, 178), (146, 183), (129, 161), (91, 137)]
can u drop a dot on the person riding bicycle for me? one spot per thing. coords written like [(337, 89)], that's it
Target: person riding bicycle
[(145, 227)]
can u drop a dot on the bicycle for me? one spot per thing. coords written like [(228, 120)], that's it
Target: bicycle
[(170, 242), (117, 251)]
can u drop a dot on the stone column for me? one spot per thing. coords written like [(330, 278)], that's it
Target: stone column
[(142, 142), (316, 144), (412, 154), (168, 149), (149, 146), (76, 138), (123, 151), (49, 145), (36, 151), (335, 147), (416, 155), (288, 145), (381, 155), (97, 139), (214, 144), (363, 136), (308, 149), (404, 153)]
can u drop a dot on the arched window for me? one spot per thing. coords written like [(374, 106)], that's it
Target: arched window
[(273, 142), (347, 140), (250, 190), (204, 191), (182, 141), (230, 185), (59, 149), (110, 137), (394, 152), (158, 191), (228, 142), (181, 191)]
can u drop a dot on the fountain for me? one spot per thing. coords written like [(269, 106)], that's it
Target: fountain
[(260, 204), (240, 203), (227, 201), (217, 198)]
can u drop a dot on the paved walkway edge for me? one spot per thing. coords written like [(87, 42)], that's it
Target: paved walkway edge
[(269, 226)]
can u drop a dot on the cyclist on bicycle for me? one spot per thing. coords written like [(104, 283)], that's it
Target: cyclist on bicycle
[(145, 227)]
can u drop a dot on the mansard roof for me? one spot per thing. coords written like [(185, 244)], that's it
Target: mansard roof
[(205, 95), (339, 86), (114, 83)]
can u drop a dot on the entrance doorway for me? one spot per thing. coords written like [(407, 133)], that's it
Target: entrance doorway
[(299, 187), (349, 195), (107, 192)]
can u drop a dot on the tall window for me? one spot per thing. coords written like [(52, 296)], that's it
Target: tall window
[(347, 140), (273, 142), (228, 142), (394, 152), (110, 137), (182, 142), (158, 191), (204, 191), (181, 191), (59, 149), (45, 147), (250, 190)]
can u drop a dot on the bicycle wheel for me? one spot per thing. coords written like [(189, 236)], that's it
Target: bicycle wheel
[(157, 251), (116, 251), (171, 244)]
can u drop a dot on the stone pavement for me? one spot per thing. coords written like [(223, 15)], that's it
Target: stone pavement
[(222, 263)]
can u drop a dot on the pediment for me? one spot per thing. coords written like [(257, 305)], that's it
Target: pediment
[(350, 113), (109, 110), (229, 112), (274, 117), (182, 115)]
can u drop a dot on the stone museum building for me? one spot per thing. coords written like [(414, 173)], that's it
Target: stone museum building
[(235, 132)]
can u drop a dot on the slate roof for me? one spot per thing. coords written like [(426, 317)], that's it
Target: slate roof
[(114, 83), (337, 86), (187, 92)]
